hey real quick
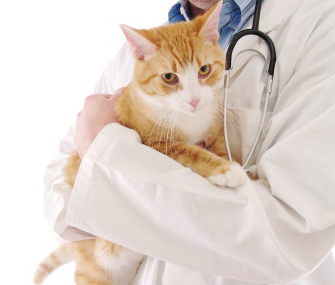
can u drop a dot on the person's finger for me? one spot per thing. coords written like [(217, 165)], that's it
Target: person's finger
[(119, 91), (117, 94), (115, 97), (107, 96)]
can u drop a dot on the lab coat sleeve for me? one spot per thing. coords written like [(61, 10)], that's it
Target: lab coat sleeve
[(116, 74), (57, 193), (274, 230)]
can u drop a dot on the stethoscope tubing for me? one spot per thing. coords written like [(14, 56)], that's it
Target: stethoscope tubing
[(265, 37), (272, 62)]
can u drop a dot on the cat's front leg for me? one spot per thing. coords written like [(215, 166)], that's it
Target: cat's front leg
[(216, 169)]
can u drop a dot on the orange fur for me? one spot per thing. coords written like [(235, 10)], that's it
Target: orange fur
[(71, 168), (180, 44), (177, 46), (88, 269)]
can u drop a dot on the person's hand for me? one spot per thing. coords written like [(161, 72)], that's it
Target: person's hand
[(98, 112)]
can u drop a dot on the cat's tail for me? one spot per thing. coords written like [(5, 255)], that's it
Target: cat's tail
[(63, 254)]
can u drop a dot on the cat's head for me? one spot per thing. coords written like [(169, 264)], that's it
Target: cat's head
[(179, 66)]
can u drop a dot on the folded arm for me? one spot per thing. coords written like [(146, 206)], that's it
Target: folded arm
[(133, 195)]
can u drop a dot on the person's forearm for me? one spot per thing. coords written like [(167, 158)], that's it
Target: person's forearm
[(57, 194), (180, 217), (116, 74)]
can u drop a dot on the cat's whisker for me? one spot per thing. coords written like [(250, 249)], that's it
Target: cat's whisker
[(175, 120), (230, 99), (162, 131), (159, 123), (219, 114), (173, 124), (219, 109), (168, 136), (230, 119), (158, 120), (218, 104), (235, 127), (167, 131), (231, 116), (170, 132), (174, 129)]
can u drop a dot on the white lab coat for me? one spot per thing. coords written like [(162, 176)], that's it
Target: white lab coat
[(276, 229)]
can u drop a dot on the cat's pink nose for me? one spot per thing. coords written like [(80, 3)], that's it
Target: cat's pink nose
[(194, 102)]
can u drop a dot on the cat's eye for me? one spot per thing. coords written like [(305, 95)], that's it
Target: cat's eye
[(204, 70), (170, 78)]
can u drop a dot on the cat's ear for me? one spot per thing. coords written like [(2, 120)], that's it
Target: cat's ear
[(208, 24), (141, 46)]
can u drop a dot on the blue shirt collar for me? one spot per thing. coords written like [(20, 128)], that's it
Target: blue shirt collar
[(234, 15)]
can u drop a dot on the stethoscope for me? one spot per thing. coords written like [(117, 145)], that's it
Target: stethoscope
[(253, 31)]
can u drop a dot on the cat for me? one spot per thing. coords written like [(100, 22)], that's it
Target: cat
[(174, 103)]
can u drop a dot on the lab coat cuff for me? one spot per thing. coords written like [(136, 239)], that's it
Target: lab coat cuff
[(108, 137)]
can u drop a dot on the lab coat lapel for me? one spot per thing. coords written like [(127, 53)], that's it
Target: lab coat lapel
[(272, 14)]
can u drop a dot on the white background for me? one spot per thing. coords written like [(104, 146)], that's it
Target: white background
[(51, 55)]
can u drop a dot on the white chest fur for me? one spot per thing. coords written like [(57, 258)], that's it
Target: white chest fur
[(121, 265), (195, 126)]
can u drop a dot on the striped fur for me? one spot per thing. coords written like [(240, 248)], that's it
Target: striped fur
[(97, 262), (166, 121)]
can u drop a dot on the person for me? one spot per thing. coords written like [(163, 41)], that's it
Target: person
[(278, 228)]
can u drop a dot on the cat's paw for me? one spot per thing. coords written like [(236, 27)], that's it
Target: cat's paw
[(233, 177)]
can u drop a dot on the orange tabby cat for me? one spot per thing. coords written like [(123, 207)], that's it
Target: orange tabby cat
[(173, 103)]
